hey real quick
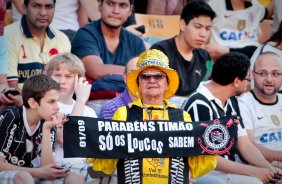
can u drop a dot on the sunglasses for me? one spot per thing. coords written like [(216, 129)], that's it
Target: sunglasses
[(147, 76)]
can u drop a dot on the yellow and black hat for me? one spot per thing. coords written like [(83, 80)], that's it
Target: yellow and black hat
[(157, 59)]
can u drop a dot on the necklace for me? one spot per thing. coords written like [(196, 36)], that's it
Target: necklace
[(149, 112)]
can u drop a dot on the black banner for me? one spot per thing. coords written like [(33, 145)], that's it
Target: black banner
[(97, 138)]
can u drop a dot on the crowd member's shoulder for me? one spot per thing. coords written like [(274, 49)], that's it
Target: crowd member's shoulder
[(203, 53), (186, 116), (246, 96), (195, 98), (10, 30), (163, 43), (11, 113), (120, 114), (136, 44), (90, 112), (92, 28), (14, 109), (130, 36), (59, 34)]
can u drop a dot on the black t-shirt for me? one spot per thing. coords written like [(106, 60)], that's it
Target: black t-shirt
[(191, 73), (16, 145)]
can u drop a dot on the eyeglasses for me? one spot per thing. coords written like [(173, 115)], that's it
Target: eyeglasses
[(147, 76), (248, 78), (274, 74)]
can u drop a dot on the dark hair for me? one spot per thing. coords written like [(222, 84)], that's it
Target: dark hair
[(277, 36), (27, 1), (36, 86), (229, 66), (196, 8), (130, 1)]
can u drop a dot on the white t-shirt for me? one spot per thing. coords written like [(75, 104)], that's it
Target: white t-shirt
[(65, 16), (277, 15), (238, 28), (59, 152), (265, 120)]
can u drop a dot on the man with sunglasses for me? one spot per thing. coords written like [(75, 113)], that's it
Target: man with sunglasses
[(261, 108)]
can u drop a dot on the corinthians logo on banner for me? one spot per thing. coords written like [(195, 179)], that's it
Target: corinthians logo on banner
[(98, 138), (216, 138)]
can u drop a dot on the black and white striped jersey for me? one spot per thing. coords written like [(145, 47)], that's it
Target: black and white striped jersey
[(18, 144), (203, 106)]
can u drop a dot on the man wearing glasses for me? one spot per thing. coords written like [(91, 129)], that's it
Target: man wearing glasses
[(261, 108), (214, 99)]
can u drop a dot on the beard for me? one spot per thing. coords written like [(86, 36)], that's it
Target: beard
[(266, 92)]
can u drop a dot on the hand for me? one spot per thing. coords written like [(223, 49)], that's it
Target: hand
[(58, 118), (264, 174), (276, 170), (215, 50), (16, 100), (59, 133), (82, 89), (53, 171), (132, 29), (237, 120), (279, 181)]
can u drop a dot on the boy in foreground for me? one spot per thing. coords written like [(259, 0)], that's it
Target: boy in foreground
[(27, 136)]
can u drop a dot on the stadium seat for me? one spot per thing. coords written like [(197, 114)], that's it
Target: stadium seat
[(161, 26)]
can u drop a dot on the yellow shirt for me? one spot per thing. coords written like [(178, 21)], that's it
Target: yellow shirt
[(25, 55), (156, 170)]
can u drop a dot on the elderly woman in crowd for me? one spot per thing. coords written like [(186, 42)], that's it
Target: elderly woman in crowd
[(153, 82)]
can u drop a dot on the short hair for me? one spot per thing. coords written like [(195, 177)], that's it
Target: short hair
[(36, 87), (71, 62), (266, 53), (196, 8), (229, 66), (27, 1), (130, 1)]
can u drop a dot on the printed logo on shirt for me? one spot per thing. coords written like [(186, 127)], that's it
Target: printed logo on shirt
[(156, 161), (271, 137), (199, 72), (53, 51), (241, 25), (10, 139), (237, 35), (15, 160), (251, 16), (23, 52), (259, 118), (275, 120), (26, 70), (18, 141)]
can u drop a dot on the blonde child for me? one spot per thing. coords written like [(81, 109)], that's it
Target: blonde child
[(69, 72)]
